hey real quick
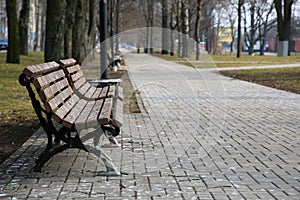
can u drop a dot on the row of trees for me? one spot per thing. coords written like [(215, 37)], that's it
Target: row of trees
[(202, 20), (68, 28)]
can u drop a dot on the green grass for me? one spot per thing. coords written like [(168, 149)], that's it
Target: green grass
[(208, 61), (15, 104), (287, 79)]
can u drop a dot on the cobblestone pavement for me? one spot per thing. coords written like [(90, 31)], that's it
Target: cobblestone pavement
[(199, 136)]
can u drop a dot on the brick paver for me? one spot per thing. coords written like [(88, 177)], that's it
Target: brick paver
[(199, 136)]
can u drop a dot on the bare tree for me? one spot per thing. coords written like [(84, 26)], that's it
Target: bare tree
[(264, 12), (250, 37), (13, 52)]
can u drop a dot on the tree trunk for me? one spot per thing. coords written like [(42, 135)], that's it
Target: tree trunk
[(55, 30), (283, 25), (185, 29), (179, 28), (151, 21), (43, 22), (240, 4), (252, 29), (37, 29), (79, 32), (165, 30), (23, 27), (13, 52), (70, 19), (197, 29)]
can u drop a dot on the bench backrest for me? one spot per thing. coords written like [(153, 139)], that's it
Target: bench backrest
[(52, 86), (79, 83)]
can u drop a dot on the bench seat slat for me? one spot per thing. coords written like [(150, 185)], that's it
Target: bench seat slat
[(117, 119), (82, 119), (92, 120), (119, 93), (71, 117), (91, 91), (100, 93), (112, 91), (104, 117), (61, 112)]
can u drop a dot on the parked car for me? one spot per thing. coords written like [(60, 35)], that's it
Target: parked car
[(3, 44)]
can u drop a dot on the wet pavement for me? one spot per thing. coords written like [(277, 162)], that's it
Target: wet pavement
[(199, 136)]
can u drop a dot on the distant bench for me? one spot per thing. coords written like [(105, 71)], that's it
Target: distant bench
[(67, 98)]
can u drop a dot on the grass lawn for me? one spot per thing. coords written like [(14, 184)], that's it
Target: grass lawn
[(208, 61), (17, 118), (287, 79), (15, 104)]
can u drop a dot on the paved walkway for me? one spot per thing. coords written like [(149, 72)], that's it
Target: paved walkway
[(199, 136)]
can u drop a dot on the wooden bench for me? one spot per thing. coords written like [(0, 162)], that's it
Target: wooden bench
[(116, 60), (60, 101)]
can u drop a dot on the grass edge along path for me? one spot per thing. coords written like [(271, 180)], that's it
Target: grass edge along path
[(287, 79), (221, 61)]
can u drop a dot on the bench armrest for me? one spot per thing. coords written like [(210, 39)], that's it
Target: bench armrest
[(115, 81)]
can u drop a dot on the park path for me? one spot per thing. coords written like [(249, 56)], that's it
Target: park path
[(199, 136)]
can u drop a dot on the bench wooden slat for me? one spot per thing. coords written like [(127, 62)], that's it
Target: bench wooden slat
[(117, 119), (68, 62), (79, 83), (84, 88), (92, 120), (35, 70), (58, 99), (48, 78), (52, 89), (77, 76), (61, 112), (73, 69), (119, 93), (90, 92), (69, 120), (97, 93), (82, 119), (111, 91), (102, 94), (104, 117)]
